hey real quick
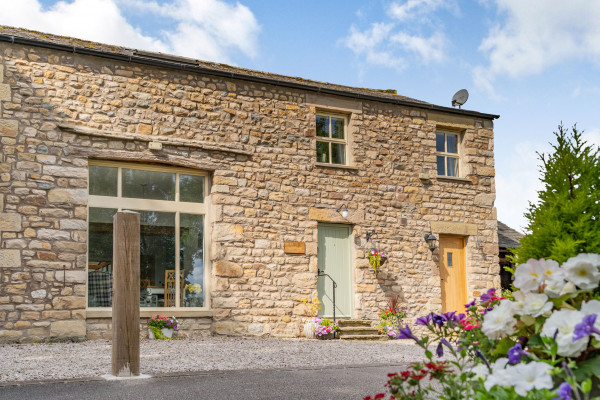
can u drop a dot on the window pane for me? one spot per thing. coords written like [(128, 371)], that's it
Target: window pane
[(441, 170), (191, 188), (323, 152), (337, 128), (338, 153), (103, 180), (148, 184), (452, 140), (100, 255), (322, 126), (439, 142), (452, 166), (191, 239), (157, 259)]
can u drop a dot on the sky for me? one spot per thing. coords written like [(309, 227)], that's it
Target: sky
[(535, 63)]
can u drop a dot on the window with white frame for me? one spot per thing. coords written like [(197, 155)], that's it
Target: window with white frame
[(172, 225), (332, 139), (447, 151)]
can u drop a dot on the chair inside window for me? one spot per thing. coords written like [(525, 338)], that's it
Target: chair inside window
[(170, 288)]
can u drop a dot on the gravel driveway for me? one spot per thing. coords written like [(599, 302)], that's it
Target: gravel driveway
[(24, 362)]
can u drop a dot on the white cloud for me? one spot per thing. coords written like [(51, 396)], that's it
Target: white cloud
[(393, 44), (411, 9), (537, 34), (208, 30)]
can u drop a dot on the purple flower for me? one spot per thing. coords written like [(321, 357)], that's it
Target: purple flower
[(471, 304), (488, 295), (437, 319), (440, 350), (585, 327), (564, 392), (424, 320), (405, 333), (449, 316), (479, 354), (446, 343), (515, 353)]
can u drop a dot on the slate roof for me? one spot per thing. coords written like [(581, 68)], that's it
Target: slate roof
[(74, 45), (508, 237)]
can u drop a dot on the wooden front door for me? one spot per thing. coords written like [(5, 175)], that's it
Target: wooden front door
[(453, 273), (334, 260)]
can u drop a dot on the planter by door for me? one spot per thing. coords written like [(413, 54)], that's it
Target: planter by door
[(334, 259), (165, 331), (327, 336)]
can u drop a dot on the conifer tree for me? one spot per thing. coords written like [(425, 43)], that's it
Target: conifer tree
[(566, 220)]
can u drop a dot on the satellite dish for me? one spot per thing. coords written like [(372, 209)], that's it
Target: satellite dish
[(460, 98)]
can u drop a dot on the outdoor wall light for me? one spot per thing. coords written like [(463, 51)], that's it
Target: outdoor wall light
[(343, 210), (370, 234), (430, 239)]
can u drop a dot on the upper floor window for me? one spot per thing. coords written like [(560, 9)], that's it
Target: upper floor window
[(332, 139), (446, 147)]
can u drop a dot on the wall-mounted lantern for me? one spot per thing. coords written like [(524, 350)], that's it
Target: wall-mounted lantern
[(343, 210), (430, 239), (370, 234)]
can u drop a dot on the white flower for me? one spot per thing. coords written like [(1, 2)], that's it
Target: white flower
[(529, 276), (530, 376), (534, 304), (480, 371), (523, 377), (562, 323), (582, 270), (568, 289), (500, 321)]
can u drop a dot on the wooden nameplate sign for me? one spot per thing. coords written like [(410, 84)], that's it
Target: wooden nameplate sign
[(294, 247)]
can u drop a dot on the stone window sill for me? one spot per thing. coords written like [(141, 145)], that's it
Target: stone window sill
[(453, 179), (106, 312), (349, 167)]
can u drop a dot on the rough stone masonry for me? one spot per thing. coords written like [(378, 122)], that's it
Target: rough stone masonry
[(256, 139)]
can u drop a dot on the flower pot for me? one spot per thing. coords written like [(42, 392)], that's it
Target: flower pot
[(309, 330), (326, 336), (167, 332)]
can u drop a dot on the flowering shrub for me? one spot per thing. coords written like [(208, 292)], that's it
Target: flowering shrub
[(158, 322), (390, 319), (312, 307), (375, 255), (544, 343), (323, 326)]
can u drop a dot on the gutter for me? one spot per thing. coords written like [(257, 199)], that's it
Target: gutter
[(182, 66)]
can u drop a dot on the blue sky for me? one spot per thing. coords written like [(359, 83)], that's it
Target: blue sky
[(535, 62)]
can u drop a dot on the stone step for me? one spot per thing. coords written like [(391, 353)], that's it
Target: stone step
[(365, 337), (354, 322), (358, 330)]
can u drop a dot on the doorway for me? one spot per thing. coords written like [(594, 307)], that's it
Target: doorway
[(334, 259), (453, 275)]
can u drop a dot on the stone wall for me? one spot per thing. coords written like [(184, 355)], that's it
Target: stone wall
[(258, 142)]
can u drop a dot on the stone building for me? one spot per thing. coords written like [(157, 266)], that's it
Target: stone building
[(247, 184)]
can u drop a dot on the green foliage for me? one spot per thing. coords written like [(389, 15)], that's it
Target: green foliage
[(566, 221)]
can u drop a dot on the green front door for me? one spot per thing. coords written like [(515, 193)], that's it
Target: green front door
[(334, 260)]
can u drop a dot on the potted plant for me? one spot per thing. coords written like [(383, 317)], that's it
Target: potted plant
[(390, 319), (160, 328), (311, 310), (325, 329), (376, 258)]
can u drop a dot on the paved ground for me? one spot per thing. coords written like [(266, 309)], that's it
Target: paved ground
[(342, 382)]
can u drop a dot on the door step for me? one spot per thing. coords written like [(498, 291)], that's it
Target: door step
[(355, 329)]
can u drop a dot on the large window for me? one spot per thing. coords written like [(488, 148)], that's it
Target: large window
[(447, 150), (332, 142), (171, 206)]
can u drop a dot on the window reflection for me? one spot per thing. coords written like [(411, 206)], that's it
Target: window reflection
[(191, 236), (100, 255), (152, 185)]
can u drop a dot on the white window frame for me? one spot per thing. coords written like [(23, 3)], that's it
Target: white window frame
[(171, 206), (458, 155), (329, 140)]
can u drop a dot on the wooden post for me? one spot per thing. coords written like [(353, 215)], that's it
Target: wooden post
[(126, 295)]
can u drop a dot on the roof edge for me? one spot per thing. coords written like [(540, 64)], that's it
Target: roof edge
[(233, 75)]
